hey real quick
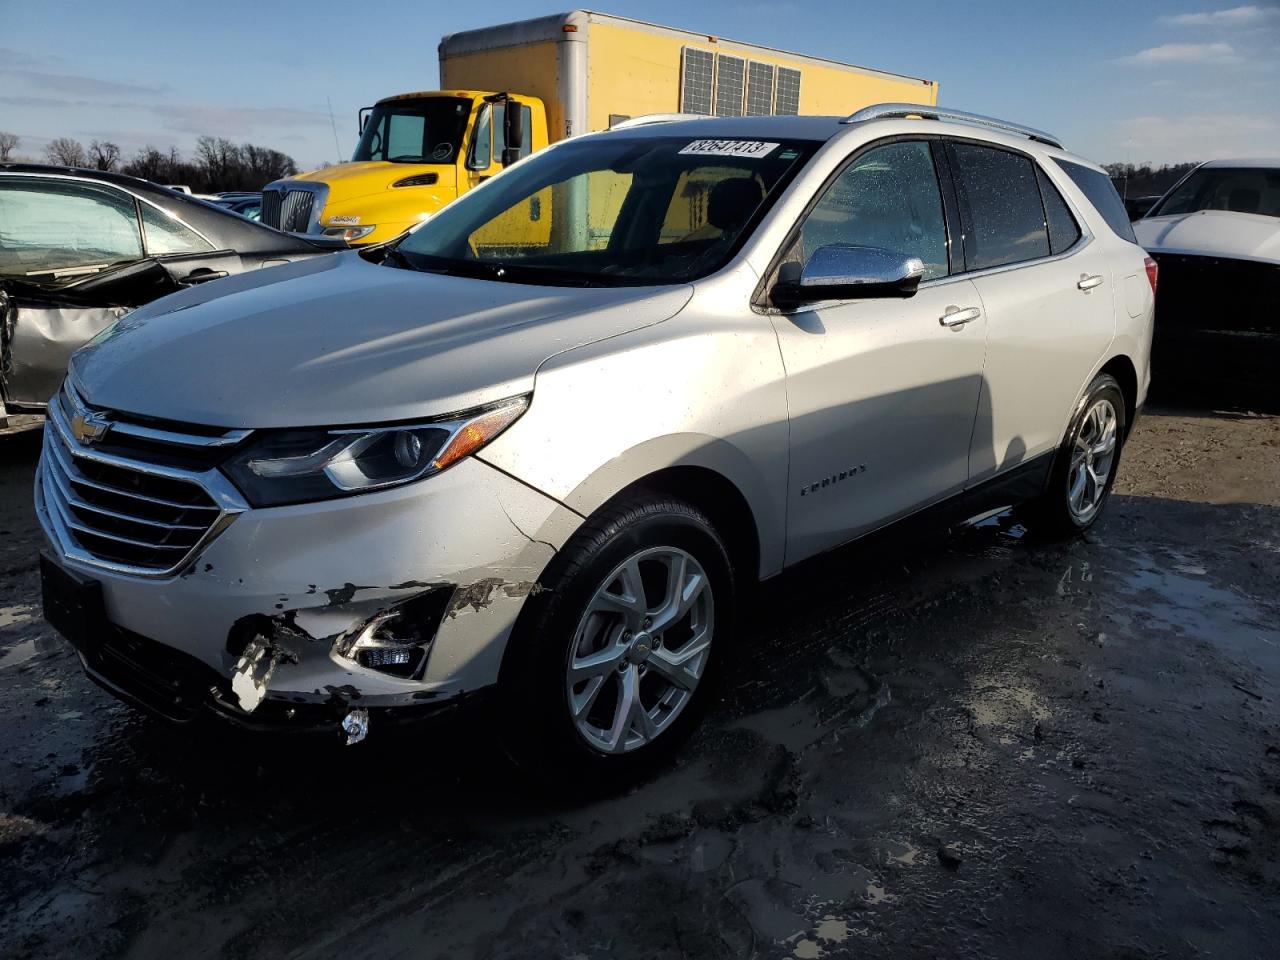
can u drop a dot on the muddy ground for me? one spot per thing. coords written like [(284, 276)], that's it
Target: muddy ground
[(983, 746)]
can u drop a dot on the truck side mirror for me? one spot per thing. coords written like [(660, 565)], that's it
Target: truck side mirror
[(512, 132), (364, 118)]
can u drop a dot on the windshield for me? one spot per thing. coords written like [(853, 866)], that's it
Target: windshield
[(611, 210), (427, 130), (1242, 190)]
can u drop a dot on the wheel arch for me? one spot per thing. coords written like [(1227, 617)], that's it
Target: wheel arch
[(1121, 367)]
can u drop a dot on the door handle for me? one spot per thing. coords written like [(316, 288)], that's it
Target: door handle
[(955, 317), (1089, 282), (203, 276)]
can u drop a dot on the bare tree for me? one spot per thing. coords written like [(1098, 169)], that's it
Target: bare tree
[(8, 144), (104, 154), (65, 152)]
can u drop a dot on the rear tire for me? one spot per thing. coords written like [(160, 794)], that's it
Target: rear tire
[(1085, 467), (612, 662)]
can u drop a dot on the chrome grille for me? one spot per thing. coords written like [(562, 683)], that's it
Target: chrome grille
[(295, 211), (124, 512), (271, 200)]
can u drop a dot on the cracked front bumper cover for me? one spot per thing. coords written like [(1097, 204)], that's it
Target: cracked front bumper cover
[(307, 576)]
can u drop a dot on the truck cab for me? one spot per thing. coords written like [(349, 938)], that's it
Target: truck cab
[(417, 152)]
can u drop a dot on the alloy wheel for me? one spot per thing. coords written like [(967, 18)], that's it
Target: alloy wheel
[(1093, 455), (640, 649)]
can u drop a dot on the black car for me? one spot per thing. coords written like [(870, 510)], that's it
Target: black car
[(80, 248), (246, 204)]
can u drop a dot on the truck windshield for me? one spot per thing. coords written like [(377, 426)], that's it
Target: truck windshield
[(1241, 190), (426, 130), (610, 210)]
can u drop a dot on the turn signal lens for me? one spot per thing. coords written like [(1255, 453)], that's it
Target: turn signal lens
[(1153, 274), (475, 434)]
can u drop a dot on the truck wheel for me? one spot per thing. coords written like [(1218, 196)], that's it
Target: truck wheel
[(1085, 467), (611, 662)]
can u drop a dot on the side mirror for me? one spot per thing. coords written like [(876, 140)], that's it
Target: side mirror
[(512, 132), (845, 271), (364, 117)]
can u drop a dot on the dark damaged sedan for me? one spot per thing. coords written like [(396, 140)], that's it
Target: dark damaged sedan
[(79, 248)]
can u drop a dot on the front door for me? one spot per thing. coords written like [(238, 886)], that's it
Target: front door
[(881, 393)]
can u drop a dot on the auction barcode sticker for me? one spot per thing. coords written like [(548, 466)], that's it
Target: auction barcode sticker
[(750, 149)]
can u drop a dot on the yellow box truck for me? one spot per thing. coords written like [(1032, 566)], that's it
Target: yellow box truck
[(512, 89)]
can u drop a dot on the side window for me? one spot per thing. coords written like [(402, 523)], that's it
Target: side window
[(165, 235), (999, 194), (888, 197), (1101, 192), (1063, 229), (481, 141), (50, 225)]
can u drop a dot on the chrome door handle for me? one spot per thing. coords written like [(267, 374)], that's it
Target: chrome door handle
[(1088, 283), (956, 317)]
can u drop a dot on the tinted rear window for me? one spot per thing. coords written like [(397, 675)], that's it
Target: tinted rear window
[(1001, 201), (1101, 192), (1063, 229)]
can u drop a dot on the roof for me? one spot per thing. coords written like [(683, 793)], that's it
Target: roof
[(757, 128), (106, 176), (1247, 162), (553, 27)]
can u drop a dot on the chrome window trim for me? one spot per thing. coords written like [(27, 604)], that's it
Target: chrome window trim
[(1086, 237)]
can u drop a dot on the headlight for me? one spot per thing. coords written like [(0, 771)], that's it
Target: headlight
[(351, 233), (295, 466)]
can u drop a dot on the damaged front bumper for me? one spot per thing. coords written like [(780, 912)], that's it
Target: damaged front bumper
[(286, 617)]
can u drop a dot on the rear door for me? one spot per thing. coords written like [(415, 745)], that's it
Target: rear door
[(881, 393), (1046, 290)]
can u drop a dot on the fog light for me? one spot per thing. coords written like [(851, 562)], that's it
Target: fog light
[(385, 657), (396, 641)]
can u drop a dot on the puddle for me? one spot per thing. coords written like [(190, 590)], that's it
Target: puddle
[(25, 650), (1180, 598), (18, 654), (903, 854), (21, 613)]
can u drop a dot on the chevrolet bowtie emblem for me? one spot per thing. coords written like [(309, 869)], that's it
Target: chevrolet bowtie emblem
[(89, 428)]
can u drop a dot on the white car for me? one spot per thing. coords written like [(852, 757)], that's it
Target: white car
[(541, 448), (1216, 236)]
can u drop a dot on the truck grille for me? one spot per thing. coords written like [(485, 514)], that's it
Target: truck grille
[(137, 512), (288, 210)]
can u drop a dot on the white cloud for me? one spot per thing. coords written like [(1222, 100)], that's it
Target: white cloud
[(1205, 136), (1233, 17), (1183, 53)]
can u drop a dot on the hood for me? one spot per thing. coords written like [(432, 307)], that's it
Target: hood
[(338, 340), (1213, 233), (348, 181)]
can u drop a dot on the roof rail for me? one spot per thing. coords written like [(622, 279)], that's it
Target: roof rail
[(649, 118), (881, 111)]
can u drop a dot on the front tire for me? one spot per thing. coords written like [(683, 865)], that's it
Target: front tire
[(612, 661), (1084, 470)]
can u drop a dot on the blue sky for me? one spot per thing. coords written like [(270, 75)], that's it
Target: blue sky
[(1119, 80)]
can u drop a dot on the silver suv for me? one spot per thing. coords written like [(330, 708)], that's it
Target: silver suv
[(541, 447)]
